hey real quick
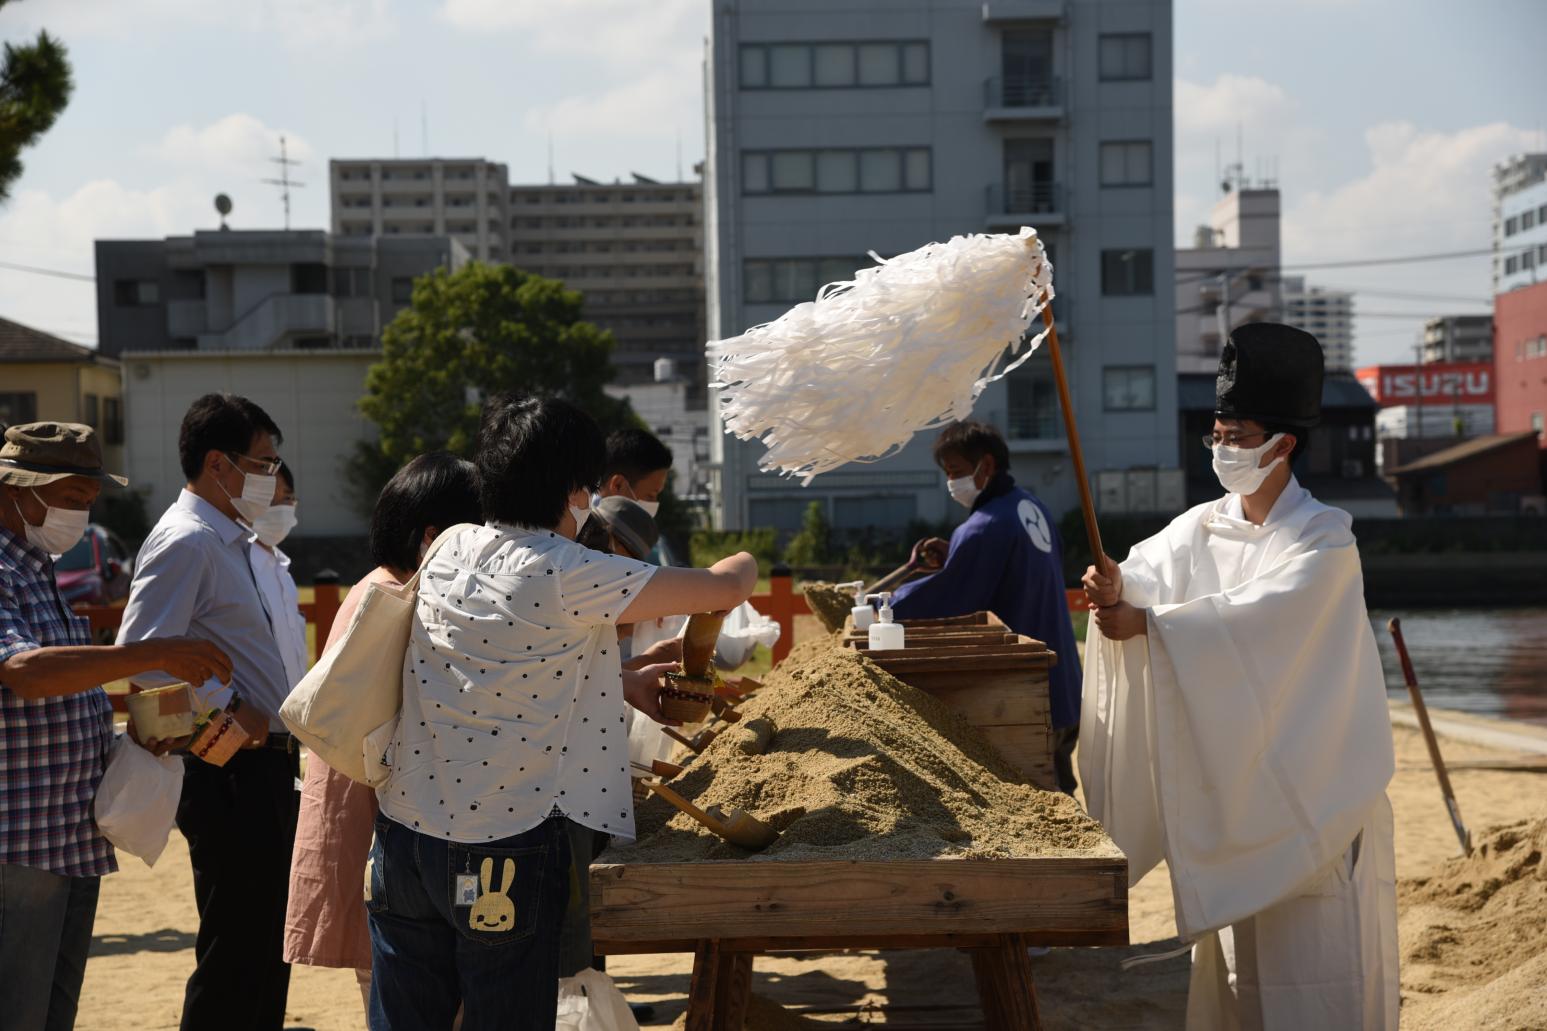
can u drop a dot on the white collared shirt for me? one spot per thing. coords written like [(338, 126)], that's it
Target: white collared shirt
[(272, 571), (512, 689), (193, 578)]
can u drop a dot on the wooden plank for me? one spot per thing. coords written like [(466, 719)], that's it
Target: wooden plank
[(707, 958), (992, 704), (1027, 748), (1005, 988), (840, 943), (1083, 897), (930, 642), (952, 649), (734, 991), (969, 619), (900, 664)]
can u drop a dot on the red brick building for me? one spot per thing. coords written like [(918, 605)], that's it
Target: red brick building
[(1520, 361)]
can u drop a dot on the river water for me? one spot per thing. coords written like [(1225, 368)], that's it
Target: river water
[(1487, 661)]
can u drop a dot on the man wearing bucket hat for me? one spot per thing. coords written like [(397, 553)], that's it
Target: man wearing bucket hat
[(56, 724)]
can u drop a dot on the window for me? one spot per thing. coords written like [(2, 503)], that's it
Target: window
[(402, 289), (790, 280), (351, 282), (136, 293), (1527, 219), (865, 512), (777, 513), (1128, 273), (18, 407), (1511, 265), (1033, 403), (91, 411), (1125, 56), (1128, 388), (1539, 424), (309, 278), (1511, 225), (872, 170), (1127, 163), (112, 420), (834, 65)]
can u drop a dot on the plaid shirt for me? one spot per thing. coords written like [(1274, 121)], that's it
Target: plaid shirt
[(52, 750)]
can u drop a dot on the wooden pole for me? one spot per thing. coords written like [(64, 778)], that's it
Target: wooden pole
[(1072, 431), (1465, 836)]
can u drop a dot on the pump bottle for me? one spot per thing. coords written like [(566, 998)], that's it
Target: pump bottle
[(885, 636), (862, 614)]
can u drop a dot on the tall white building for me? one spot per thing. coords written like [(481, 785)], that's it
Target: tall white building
[(1519, 222), (1230, 276), (840, 128), (1328, 315), (467, 199)]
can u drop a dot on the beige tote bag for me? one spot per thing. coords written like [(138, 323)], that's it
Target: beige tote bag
[(346, 708)]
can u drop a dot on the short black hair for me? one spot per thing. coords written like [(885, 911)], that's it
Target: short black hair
[(972, 440), (220, 422), (436, 489), (636, 454), (533, 453), (286, 475)]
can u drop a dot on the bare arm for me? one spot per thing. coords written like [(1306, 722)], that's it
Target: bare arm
[(71, 669), (673, 591)]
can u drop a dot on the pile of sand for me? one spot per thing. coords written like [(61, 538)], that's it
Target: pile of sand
[(828, 604), (1477, 932), (849, 762)]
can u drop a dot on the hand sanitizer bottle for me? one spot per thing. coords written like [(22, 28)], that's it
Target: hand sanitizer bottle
[(862, 614), (885, 636)]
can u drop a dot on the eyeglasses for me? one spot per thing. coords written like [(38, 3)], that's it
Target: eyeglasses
[(1214, 440), (264, 466)]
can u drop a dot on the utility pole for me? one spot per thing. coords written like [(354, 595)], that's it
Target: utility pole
[(284, 182)]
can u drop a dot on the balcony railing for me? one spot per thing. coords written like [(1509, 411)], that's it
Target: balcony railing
[(1039, 198), (1017, 94)]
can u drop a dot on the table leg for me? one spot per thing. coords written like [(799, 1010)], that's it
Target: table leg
[(733, 991), (1005, 987), (707, 962)]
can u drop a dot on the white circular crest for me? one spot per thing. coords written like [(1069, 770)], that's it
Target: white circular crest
[(1035, 525)]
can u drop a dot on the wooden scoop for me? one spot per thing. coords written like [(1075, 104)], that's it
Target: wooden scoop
[(688, 743), (659, 767), (736, 826), (698, 641), (723, 710)]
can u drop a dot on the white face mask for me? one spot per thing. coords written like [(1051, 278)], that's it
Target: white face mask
[(964, 490), (257, 494), (579, 515), (274, 524), (62, 528), (650, 507), (1238, 468)]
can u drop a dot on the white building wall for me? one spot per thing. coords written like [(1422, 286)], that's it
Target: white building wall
[(968, 155), (1522, 237), (311, 395), (1238, 269), (1328, 315)]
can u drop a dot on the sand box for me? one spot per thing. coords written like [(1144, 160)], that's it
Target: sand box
[(849, 762), (1477, 931), (828, 604)]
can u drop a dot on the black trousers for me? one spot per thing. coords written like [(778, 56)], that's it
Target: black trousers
[(239, 820), (1064, 740)]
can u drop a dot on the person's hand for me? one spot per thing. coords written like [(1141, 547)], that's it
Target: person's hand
[(155, 746), (668, 651), (930, 553), (1121, 622), (642, 690), (1104, 588), (189, 659), (254, 724)]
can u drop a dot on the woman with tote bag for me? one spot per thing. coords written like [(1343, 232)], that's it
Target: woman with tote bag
[(325, 921)]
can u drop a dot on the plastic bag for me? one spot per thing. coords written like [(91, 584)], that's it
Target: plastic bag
[(744, 629), (589, 1001), (136, 802)]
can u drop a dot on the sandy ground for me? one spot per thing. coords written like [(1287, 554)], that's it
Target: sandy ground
[(143, 946)]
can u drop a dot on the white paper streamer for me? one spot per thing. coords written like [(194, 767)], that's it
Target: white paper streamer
[(906, 346)]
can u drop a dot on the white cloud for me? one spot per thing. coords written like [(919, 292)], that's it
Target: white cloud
[(237, 144), (649, 107), (627, 32)]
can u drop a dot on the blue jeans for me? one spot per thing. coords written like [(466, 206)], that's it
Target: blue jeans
[(498, 957), (45, 933)]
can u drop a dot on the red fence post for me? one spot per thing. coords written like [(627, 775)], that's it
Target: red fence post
[(324, 607), (781, 604)]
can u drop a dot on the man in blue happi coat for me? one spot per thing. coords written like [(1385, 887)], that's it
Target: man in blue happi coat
[(1005, 559)]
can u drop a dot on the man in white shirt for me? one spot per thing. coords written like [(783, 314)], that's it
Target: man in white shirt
[(194, 578), (271, 570), (1235, 722)]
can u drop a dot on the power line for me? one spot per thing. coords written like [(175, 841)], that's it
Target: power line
[(1407, 259), (36, 270)]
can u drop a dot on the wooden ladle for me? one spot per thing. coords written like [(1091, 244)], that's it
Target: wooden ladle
[(737, 827)]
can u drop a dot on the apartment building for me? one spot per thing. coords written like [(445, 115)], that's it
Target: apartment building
[(1457, 338), (839, 129), (1229, 277), (1519, 222), (1328, 315), (464, 198)]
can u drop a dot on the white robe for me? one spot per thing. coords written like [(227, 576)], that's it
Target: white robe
[(1245, 740)]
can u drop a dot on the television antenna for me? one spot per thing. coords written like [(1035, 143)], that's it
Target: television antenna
[(284, 182), (223, 205)]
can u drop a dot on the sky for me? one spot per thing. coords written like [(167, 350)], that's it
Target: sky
[(1381, 118)]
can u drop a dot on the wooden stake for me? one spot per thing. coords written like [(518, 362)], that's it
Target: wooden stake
[(1072, 431), (1422, 710)]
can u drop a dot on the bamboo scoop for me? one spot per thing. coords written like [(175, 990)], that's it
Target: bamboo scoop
[(736, 826), (687, 743), (660, 767), (698, 641)]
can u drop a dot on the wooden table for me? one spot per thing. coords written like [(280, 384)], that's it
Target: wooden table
[(726, 912)]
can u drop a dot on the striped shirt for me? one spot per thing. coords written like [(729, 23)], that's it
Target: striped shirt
[(52, 750)]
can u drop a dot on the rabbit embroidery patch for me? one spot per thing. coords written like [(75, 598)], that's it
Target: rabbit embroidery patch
[(494, 910)]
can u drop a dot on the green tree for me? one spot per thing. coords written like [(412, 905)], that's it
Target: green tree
[(35, 86), (813, 545), (465, 336)]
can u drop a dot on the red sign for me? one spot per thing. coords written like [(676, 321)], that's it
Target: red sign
[(1438, 383)]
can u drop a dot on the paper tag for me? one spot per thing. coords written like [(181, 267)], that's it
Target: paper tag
[(467, 889)]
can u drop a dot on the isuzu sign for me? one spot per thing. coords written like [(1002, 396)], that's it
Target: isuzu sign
[(1438, 383)]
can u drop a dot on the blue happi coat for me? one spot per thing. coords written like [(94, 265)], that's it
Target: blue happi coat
[(1006, 559)]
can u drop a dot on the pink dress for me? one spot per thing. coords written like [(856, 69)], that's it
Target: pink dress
[(325, 920)]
